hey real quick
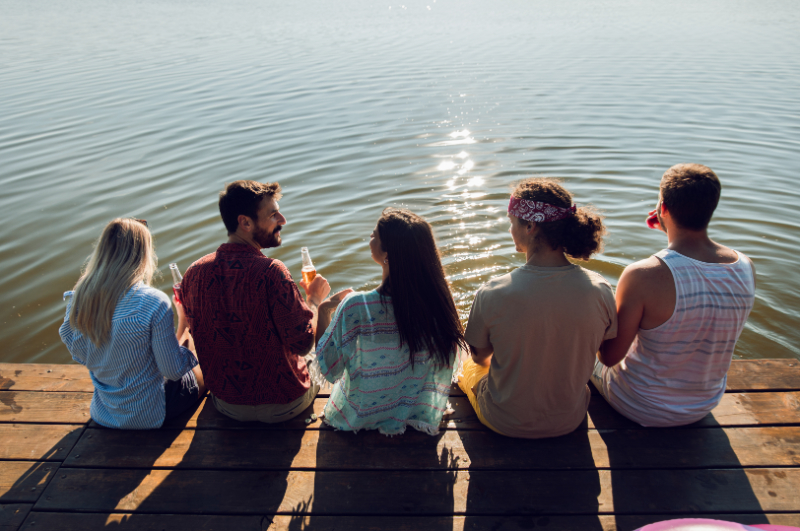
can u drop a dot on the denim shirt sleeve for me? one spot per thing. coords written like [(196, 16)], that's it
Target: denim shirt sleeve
[(67, 334), (172, 359)]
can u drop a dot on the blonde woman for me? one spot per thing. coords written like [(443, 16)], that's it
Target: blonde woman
[(121, 328)]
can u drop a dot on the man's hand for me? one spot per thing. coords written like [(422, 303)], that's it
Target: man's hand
[(332, 303), (186, 340), (317, 290)]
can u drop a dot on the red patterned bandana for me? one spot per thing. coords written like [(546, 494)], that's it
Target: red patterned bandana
[(537, 211)]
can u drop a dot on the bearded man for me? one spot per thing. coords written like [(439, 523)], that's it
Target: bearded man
[(251, 327)]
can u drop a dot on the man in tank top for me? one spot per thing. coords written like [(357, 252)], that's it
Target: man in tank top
[(680, 312)]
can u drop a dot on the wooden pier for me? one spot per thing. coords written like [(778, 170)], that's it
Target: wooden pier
[(202, 472)]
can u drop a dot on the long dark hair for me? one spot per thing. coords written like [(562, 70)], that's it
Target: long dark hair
[(426, 315), (579, 235)]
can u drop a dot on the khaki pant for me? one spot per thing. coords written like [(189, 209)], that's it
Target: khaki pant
[(268, 413)]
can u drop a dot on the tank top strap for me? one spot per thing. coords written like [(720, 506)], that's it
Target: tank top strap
[(679, 266)]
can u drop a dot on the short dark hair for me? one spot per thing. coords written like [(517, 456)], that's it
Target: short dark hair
[(579, 235), (244, 197), (691, 194)]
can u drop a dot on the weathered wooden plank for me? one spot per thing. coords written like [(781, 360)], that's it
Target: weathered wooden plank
[(735, 409), (143, 522), (205, 416), (330, 450), (24, 481), (180, 522), (425, 493), (744, 375), (40, 442), (633, 522), (504, 523), (44, 407), (44, 377), (12, 515), (771, 374)]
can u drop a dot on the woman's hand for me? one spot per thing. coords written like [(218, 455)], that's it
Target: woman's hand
[(183, 324)]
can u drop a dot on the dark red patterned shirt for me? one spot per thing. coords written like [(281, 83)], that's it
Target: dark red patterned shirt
[(250, 325)]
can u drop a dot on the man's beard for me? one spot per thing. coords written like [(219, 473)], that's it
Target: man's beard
[(267, 239)]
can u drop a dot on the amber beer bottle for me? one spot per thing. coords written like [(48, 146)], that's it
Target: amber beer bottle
[(309, 271), (176, 281)]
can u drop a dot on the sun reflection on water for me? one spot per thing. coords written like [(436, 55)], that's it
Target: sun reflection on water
[(470, 223)]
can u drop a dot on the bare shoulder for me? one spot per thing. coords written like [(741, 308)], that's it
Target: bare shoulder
[(648, 272)]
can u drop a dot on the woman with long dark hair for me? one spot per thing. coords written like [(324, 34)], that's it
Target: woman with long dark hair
[(534, 332), (122, 330), (392, 352)]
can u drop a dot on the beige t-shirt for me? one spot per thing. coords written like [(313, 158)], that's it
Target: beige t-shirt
[(545, 325)]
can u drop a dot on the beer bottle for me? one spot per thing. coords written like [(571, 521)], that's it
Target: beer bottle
[(308, 270), (176, 281)]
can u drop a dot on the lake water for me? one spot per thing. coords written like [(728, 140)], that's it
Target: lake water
[(146, 108)]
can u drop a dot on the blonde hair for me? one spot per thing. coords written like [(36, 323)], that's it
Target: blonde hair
[(123, 256)]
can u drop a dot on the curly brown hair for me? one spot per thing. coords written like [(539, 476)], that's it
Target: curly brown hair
[(579, 235)]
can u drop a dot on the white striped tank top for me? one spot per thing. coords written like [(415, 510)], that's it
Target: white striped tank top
[(676, 373)]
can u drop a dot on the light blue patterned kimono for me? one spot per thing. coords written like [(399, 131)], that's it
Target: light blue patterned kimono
[(375, 386)]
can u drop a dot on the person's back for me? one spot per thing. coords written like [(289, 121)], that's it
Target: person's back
[(545, 324), (378, 386), (245, 328), (121, 329), (250, 324), (681, 312), (391, 351), (534, 332)]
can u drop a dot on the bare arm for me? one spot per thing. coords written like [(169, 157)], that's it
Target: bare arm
[(630, 308), (183, 323), (645, 299), (482, 355), (326, 310)]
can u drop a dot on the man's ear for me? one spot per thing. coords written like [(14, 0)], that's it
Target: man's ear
[(530, 227), (245, 223)]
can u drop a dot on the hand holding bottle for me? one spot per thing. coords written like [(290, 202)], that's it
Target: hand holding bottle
[(176, 281), (317, 290)]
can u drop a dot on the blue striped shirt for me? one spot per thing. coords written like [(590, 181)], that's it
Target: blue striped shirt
[(129, 371)]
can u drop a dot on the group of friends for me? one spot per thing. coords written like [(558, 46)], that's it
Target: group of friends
[(658, 350)]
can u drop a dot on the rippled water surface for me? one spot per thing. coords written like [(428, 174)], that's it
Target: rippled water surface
[(146, 109)]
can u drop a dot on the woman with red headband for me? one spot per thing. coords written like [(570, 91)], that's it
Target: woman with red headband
[(534, 332)]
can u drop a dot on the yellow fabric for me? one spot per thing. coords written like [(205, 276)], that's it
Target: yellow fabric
[(472, 374)]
